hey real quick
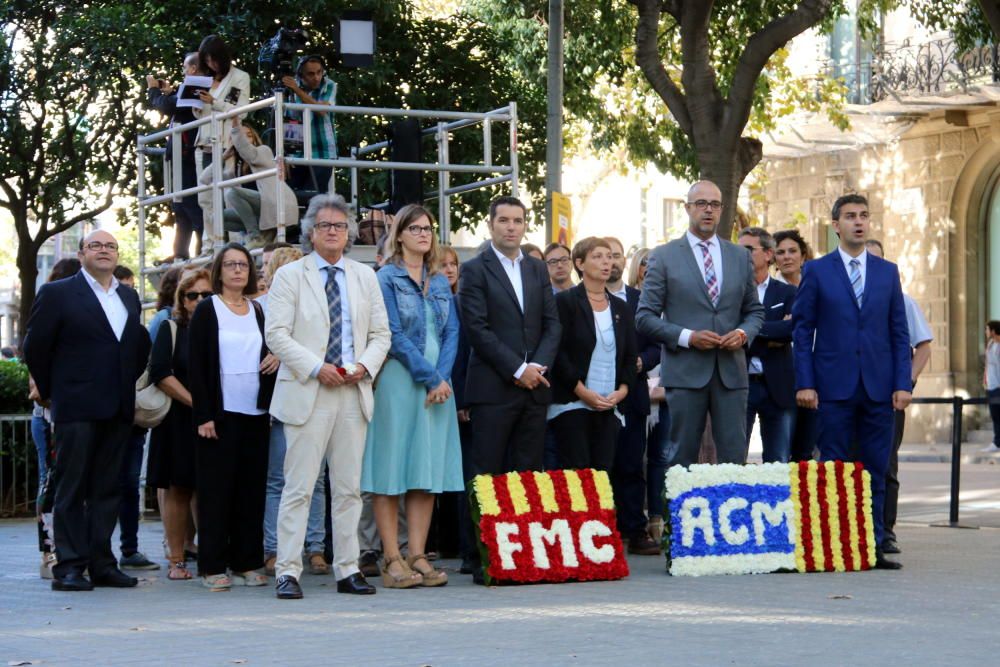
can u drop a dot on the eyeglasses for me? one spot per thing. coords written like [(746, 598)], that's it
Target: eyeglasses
[(192, 296), (751, 248), (417, 230), (715, 204), (235, 266), (324, 227), (97, 246), (556, 261)]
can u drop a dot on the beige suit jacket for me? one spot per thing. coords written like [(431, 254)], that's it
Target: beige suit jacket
[(298, 329)]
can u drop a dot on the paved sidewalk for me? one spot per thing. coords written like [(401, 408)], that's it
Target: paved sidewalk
[(941, 609)]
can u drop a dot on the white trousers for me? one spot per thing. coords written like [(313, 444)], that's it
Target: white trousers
[(336, 432)]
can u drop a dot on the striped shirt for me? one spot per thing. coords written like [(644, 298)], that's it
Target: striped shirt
[(324, 139)]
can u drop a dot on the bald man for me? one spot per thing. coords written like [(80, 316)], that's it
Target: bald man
[(699, 302), (85, 349)]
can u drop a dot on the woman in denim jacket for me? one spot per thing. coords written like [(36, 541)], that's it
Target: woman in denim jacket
[(413, 445)]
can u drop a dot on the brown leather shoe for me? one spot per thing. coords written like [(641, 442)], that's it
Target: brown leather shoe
[(643, 545), (318, 564)]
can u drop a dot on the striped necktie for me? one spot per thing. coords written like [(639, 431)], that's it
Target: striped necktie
[(856, 285), (711, 282), (334, 350)]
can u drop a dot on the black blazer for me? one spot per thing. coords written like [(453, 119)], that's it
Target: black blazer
[(637, 402), (205, 375), (74, 356), (773, 345), (579, 336), (500, 336)]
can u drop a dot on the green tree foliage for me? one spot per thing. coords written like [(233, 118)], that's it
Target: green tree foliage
[(686, 85), (72, 94), (970, 22)]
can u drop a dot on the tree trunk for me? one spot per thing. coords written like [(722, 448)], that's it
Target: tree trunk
[(27, 271), (728, 167)]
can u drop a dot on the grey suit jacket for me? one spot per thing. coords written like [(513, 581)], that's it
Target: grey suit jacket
[(674, 297)]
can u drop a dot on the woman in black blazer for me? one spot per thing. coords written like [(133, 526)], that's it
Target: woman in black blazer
[(595, 364), (231, 378)]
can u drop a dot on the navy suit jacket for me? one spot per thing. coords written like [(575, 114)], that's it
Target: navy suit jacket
[(74, 356), (838, 344), (773, 345), (637, 401)]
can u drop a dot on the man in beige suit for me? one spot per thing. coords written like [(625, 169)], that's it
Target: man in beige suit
[(327, 324)]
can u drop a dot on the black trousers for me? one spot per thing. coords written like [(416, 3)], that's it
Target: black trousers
[(627, 479), (892, 477), (586, 438), (507, 437), (232, 475), (87, 497)]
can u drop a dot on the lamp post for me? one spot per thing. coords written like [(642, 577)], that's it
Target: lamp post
[(553, 119)]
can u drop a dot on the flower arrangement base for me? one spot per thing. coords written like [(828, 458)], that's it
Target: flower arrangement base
[(547, 527), (775, 517)]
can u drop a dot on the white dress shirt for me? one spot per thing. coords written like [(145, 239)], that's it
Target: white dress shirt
[(920, 331), (862, 258), (756, 365), (715, 252), (110, 302), (239, 358), (512, 267), (346, 330), (621, 294)]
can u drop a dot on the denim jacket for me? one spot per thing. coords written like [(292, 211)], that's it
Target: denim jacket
[(404, 302)]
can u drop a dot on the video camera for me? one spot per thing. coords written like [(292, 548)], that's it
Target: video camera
[(275, 59)]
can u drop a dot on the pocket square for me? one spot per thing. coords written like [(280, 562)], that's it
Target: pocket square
[(778, 305)]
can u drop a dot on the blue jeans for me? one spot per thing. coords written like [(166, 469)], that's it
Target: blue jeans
[(657, 460), (40, 435), (128, 509), (776, 423), (275, 483)]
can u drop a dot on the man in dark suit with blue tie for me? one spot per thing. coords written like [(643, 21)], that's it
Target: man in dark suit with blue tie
[(769, 361), (85, 348), (852, 351)]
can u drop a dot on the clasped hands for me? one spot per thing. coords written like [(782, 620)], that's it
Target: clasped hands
[(708, 340), (808, 398), (532, 376), (438, 394), (330, 376), (596, 400)]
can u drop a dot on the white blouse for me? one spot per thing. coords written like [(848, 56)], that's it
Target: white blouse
[(239, 358)]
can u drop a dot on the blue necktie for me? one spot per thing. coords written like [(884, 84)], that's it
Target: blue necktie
[(856, 280), (334, 347)]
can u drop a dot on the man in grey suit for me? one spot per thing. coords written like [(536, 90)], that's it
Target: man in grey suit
[(699, 300)]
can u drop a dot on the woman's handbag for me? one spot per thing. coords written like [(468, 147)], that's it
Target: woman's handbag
[(151, 403)]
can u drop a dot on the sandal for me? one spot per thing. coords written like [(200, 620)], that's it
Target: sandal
[(250, 578), (318, 564), (431, 577), (177, 570), (217, 582), (408, 579)]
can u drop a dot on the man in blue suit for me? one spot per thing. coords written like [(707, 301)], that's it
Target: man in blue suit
[(852, 351), (85, 349), (769, 361)]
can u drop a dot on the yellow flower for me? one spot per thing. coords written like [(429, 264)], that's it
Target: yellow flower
[(486, 494), (577, 501), (518, 497), (793, 482), (604, 489), (833, 516)]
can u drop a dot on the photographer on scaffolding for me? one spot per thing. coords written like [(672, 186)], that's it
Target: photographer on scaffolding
[(311, 85)]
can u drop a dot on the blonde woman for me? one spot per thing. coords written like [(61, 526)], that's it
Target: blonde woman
[(413, 446), (637, 268)]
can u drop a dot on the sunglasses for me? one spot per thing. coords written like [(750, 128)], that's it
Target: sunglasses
[(192, 296)]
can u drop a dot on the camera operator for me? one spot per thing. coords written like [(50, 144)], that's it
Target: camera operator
[(311, 85), (187, 213)]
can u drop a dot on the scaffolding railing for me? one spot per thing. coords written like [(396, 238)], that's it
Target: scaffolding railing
[(447, 123)]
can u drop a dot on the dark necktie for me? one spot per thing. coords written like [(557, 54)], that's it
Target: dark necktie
[(334, 344)]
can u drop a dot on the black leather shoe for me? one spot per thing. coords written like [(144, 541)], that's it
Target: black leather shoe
[(114, 578), (468, 566), (642, 544), (356, 584), (72, 582), (889, 546), (287, 588), (883, 563), (478, 578)]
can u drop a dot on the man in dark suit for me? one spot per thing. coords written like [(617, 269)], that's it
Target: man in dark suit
[(509, 316), (699, 301), (85, 348), (852, 352), (627, 476), (769, 362)]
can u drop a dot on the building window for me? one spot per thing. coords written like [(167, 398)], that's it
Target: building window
[(674, 218)]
